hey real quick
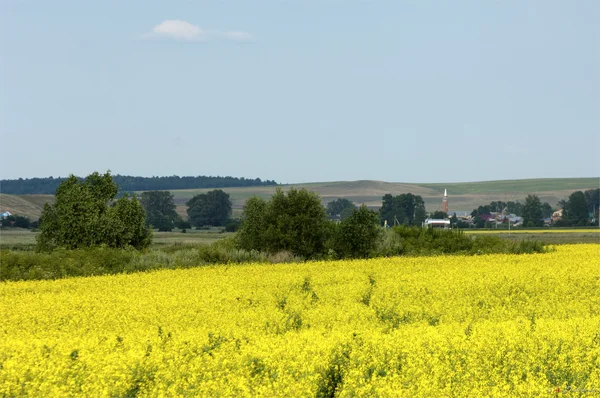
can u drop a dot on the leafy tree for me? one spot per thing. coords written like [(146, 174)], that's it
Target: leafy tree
[(576, 208), (592, 197), (86, 214), (160, 209), (482, 210), (479, 222), (438, 214), (547, 210), (233, 225), (453, 220), (211, 208), (21, 222), (532, 212), (337, 206), (357, 235), (515, 208), (8, 221), (407, 208), (252, 231), (295, 221), (347, 212)]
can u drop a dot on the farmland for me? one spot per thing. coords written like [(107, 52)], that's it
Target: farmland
[(463, 196), (22, 239), (493, 325)]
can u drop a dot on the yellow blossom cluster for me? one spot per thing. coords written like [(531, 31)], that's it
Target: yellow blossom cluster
[(492, 325)]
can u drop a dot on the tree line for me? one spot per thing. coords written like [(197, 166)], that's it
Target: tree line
[(130, 183), (579, 209), (292, 224)]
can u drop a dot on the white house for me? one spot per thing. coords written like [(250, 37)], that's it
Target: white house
[(436, 223), (5, 214)]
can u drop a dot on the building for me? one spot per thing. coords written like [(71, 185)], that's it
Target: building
[(557, 215), (5, 214), (445, 202), (436, 223)]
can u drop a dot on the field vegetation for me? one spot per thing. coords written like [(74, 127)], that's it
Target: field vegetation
[(490, 325), (463, 196), (93, 261)]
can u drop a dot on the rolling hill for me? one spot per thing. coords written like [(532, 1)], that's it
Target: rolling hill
[(25, 205), (464, 196)]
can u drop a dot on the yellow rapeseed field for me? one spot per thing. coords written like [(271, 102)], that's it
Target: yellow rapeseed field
[(494, 325), (535, 231)]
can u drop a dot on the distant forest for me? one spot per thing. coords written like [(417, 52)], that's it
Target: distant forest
[(130, 183)]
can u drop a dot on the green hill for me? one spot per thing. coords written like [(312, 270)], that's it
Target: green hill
[(25, 205), (462, 196)]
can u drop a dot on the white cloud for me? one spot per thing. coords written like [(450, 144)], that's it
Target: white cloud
[(182, 30), (177, 29), (238, 36)]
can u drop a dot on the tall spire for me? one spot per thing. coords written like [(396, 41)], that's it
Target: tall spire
[(445, 202)]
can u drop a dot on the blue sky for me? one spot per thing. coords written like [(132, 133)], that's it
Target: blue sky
[(301, 91)]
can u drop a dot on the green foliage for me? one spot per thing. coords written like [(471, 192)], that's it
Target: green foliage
[(338, 206), (131, 183), (21, 222), (576, 207), (407, 209), (439, 215), (211, 208), (160, 209), (358, 235), (294, 221), (232, 225), (532, 211), (62, 263), (85, 214), (8, 221), (404, 240)]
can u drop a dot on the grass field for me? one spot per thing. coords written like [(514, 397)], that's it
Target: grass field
[(549, 236), (24, 239), (518, 186), (493, 325), (16, 238)]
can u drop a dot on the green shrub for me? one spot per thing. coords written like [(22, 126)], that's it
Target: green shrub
[(357, 235)]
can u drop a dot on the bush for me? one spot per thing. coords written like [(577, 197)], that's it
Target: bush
[(404, 240), (357, 235), (232, 225), (294, 221)]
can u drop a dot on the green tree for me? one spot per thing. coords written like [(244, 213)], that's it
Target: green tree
[(211, 208), (576, 208), (21, 222), (251, 233), (337, 206), (439, 215), (8, 221), (295, 221), (592, 197), (358, 235), (86, 214), (454, 220), (160, 209), (347, 212), (547, 210), (532, 212), (407, 209)]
